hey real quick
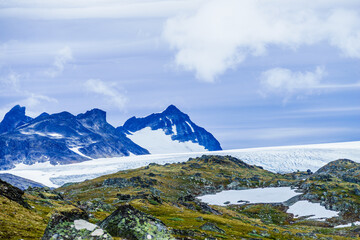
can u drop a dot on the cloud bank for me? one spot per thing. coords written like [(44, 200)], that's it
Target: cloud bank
[(223, 33), (286, 82)]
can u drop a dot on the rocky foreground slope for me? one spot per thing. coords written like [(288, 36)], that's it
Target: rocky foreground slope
[(159, 202)]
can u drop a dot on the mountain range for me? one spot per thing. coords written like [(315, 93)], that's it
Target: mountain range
[(63, 138)]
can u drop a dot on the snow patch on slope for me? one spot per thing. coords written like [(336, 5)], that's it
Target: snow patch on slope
[(156, 142)]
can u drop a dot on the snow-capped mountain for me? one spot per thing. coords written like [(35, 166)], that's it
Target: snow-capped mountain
[(171, 131), (63, 138)]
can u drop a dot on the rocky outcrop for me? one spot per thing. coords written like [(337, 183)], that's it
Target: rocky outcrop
[(130, 223), (12, 193), (78, 229), (61, 220)]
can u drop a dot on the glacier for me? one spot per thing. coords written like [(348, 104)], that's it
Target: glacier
[(281, 159)]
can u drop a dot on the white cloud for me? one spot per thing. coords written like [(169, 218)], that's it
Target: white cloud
[(33, 100), (286, 82), (223, 33), (10, 86), (11, 81), (62, 57), (109, 91)]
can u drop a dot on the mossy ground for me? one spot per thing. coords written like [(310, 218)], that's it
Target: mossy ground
[(17, 222)]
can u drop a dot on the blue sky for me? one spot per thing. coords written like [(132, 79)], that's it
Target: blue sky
[(254, 73)]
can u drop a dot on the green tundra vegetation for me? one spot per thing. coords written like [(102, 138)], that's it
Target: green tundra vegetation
[(165, 196)]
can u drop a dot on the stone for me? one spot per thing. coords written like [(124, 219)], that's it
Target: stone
[(130, 223), (82, 224), (211, 227)]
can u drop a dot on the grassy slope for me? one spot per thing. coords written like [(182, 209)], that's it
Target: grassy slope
[(174, 181)]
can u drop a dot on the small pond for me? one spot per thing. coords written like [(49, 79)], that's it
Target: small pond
[(255, 195), (270, 195)]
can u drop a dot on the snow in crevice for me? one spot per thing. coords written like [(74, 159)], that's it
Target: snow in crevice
[(76, 150), (192, 129), (173, 127)]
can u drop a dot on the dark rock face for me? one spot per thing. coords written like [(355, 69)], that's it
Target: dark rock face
[(14, 118), (52, 138), (12, 193), (19, 182), (186, 130), (130, 223)]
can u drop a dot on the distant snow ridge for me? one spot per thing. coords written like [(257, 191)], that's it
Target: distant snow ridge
[(171, 131), (276, 159)]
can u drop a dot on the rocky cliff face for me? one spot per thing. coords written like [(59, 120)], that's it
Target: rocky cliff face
[(13, 119)]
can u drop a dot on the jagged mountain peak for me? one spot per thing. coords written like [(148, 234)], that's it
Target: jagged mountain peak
[(176, 125), (172, 109), (13, 119), (96, 115)]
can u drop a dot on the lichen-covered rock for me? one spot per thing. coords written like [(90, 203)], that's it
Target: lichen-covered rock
[(130, 223), (79, 229), (61, 219)]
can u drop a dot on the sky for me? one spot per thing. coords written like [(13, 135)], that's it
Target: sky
[(252, 72)]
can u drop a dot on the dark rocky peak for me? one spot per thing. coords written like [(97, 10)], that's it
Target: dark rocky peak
[(173, 121), (61, 115), (95, 115), (42, 116), (172, 110), (13, 119), (95, 120)]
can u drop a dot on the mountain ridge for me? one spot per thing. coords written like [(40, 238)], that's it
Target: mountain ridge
[(64, 138)]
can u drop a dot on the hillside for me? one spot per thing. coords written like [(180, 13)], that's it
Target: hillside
[(167, 193)]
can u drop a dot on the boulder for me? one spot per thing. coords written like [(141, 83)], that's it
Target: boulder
[(61, 220), (130, 223), (78, 229)]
